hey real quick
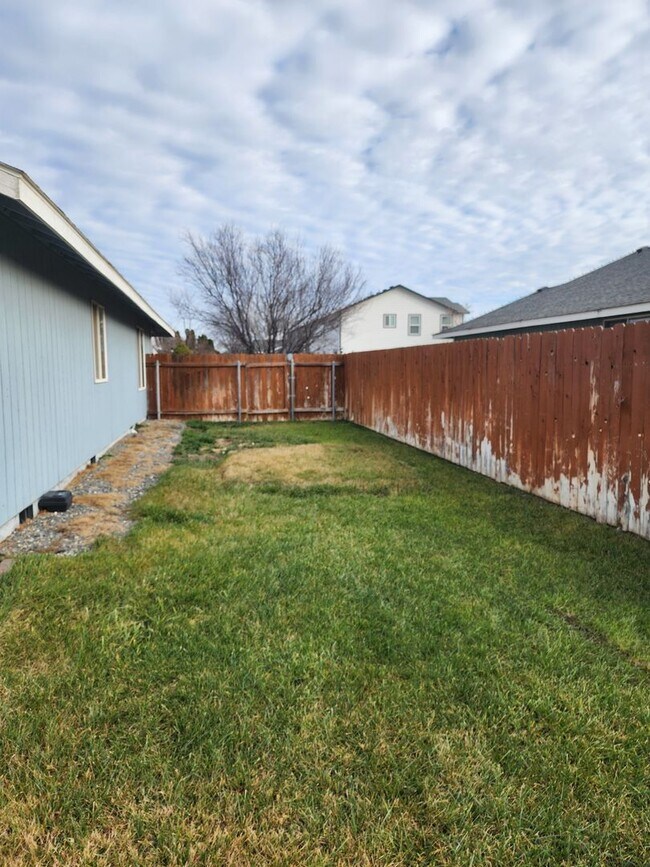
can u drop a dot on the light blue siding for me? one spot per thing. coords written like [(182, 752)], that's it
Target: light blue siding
[(53, 416)]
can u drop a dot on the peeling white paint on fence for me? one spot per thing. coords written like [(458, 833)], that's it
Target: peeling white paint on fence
[(578, 435)]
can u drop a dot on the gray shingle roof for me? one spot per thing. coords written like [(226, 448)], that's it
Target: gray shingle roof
[(451, 305), (445, 302), (619, 284)]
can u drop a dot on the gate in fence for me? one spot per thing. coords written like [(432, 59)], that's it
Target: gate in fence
[(246, 387)]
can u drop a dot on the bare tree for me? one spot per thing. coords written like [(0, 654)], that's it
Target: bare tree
[(265, 294)]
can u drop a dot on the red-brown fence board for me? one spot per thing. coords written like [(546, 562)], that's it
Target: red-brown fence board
[(206, 386), (564, 415), (313, 386)]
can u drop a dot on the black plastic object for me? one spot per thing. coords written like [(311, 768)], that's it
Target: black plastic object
[(55, 501)]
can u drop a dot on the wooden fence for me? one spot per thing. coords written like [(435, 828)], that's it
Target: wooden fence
[(564, 415), (245, 387)]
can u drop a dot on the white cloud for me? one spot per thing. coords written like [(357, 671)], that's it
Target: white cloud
[(471, 148)]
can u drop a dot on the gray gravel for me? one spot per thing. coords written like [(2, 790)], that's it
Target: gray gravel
[(131, 467)]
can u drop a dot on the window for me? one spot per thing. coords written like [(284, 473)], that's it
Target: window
[(99, 343), (415, 324), (390, 320), (446, 320), (142, 360)]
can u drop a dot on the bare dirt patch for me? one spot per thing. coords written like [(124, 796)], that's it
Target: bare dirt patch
[(102, 495)]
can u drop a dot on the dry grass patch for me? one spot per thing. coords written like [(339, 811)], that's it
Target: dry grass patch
[(302, 466), (105, 502), (105, 518)]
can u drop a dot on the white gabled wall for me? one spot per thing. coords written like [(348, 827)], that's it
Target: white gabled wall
[(362, 325)]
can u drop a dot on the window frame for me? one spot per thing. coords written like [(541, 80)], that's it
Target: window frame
[(410, 323), (386, 317), (449, 323), (142, 359), (100, 342)]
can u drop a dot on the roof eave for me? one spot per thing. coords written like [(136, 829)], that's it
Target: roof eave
[(456, 309), (17, 185), (601, 313)]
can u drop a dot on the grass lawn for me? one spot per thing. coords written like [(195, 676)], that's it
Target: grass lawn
[(347, 652)]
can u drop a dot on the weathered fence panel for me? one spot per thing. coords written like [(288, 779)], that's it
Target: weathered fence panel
[(564, 415), (246, 387)]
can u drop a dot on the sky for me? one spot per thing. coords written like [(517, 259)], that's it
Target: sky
[(471, 148)]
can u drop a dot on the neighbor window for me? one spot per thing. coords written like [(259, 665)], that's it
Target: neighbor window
[(446, 320), (415, 324), (142, 360), (99, 343), (390, 320)]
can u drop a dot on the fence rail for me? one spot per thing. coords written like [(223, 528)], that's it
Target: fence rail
[(564, 415), (246, 387)]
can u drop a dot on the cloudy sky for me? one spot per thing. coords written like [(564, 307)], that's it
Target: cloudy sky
[(471, 148)]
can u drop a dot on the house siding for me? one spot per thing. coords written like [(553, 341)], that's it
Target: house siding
[(362, 325), (53, 416)]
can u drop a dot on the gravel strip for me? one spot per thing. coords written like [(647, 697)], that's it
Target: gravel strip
[(102, 495)]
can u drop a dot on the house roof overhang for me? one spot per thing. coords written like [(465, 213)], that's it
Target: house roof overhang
[(596, 315), (438, 302), (28, 205)]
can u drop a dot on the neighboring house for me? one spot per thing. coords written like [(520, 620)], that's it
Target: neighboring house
[(73, 337), (618, 292), (396, 317)]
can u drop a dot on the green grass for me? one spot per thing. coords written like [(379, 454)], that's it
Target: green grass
[(423, 668)]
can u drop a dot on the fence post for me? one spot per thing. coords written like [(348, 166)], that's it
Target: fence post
[(292, 388), (333, 388), (239, 391), (158, 412)]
